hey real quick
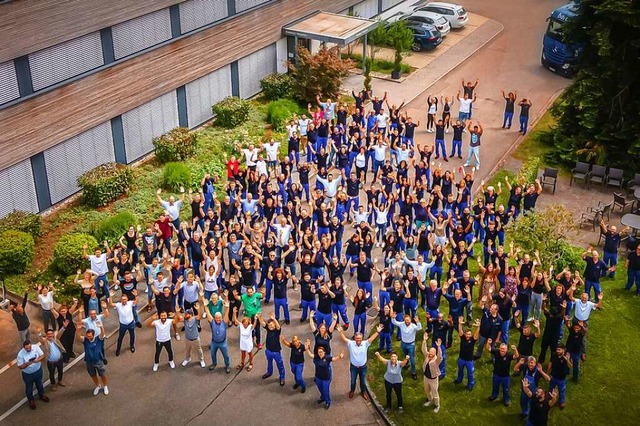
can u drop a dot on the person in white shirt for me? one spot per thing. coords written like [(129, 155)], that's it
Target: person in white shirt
[(172, 207), (271, 149), (45, 298), (99, 266), (292, 128), (464, 113), (261, 166), (379, 154), (358, 356), (283, 232), (54, 353), (361, 215), (381, 122), (163, 338), (303, 124), (125, 309), (330, 184), (29, 361), (408, 332), (251, 156)]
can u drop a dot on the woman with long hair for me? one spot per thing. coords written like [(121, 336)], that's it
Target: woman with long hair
[(361, 305), (488, 279)]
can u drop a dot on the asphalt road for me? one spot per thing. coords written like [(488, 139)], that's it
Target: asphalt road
[(196, 396)]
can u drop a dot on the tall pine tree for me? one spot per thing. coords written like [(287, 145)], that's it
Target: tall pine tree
[(598, 116)]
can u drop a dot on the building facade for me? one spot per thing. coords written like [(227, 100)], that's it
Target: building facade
[(84, 82)]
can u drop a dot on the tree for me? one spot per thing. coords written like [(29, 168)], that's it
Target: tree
[(376, 38), (367, 74), (597, 116), (318, 74), (401, 38)]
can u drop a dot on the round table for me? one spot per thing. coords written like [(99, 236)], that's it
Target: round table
[(632, 221)]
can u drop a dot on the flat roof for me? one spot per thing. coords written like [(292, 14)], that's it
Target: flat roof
[(330, 27)]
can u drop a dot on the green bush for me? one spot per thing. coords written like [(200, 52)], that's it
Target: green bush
[(18, 220), (215, 167), (67, 253), (113, 227), (176, 175), (176, 145), (280, 112), (16, 251), (231, 111), (276, 86), (528, 172), (105, 183)]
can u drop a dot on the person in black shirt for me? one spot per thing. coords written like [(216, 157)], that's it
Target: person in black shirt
[(532, 372), (633, 269), (551, 333), (440, 141), (273, 349), (524, 105), (296, 361), (338, 303), (559, 367), (527, 338), (574, 344), (540, 404), (509, 108), (279, 279), (322, 378), (531, 196), (465, 358), (502, 358), (611, 245)]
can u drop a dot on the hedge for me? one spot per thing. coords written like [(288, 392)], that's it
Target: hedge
[(113, 227), (231, 111), (528, 172), (105, 183), (276, 86), (176, 145), (67, 253), (175, 175), (19, 220), (280, 112), (16, 251)]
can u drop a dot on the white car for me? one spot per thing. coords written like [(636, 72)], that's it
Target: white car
[(455, 14), (439, 21)]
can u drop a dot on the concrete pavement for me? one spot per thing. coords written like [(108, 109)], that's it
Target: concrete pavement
[(195, 396)]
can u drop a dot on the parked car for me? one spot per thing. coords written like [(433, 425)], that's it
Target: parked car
[(439, 21), (425, 37), (455, 14)]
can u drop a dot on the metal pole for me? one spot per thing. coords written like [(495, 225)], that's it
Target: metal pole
[(364, 54), (295, 50)]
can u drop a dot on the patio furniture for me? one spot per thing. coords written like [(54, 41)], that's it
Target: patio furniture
[(614, 178), (591, 217), (620, 201), (632, 221), (549, 177), (606, 210), (598, 175), (580, 172), (634, 183)]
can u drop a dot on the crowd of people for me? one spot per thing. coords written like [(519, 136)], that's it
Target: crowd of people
[(355, 195)]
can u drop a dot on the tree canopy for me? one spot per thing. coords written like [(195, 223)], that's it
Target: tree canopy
[(598, 114)]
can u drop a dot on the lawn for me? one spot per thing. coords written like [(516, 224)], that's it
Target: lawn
[(533, 144), (606, 392)]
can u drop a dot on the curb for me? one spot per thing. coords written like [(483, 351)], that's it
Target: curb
[(378, 407)]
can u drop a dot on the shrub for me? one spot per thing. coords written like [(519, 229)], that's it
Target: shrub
[(113, 227), (528, 172), (176, 175), (280, 112), (545, 231), (176, 145), (105, 183), (67, 253), (367, 75), (231, 111), (319, 74), (215, 167), (16, 251), (18, 220), (276, 86)]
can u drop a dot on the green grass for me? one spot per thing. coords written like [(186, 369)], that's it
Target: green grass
[(503, 198), (605, 394), (531, 146), (378, 65)]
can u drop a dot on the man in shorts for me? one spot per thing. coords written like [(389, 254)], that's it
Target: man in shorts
[(93, 358)]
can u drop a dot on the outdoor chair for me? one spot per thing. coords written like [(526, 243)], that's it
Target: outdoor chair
[(598, 175), (634, 183), (606, 210), (591, 217), (614, 178), (620, 201), (580, 172), (549, 177)]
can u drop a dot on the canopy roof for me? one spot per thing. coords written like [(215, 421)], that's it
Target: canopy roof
[(330, 27)]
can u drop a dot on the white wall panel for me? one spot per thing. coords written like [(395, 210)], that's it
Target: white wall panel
[(18, 189), (366, 9), (140, 33), (65, 60), (198, 13), (8, 82), (146, 122), (205, 92), (242, 5), (281, 56), (68, 160), (252, 68)]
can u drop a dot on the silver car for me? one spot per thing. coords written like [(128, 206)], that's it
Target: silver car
[(439, 21)]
